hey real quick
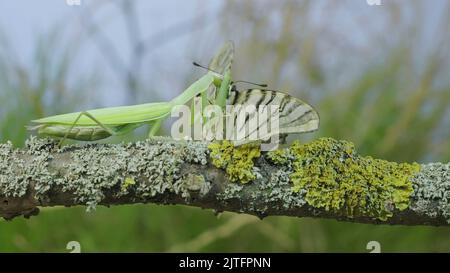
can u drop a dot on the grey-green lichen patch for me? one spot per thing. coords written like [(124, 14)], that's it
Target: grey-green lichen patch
[(278, 191), (196, 152), (431, 194), (271, 188), (12, 182), (89, 172), (92, 171), (103, 167), (38, 146), (16, 172), (38, 170), (231, 191)]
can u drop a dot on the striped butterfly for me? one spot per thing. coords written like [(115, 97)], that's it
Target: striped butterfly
[(294, 115)]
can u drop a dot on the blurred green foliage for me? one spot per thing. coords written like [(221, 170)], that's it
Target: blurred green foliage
[(389, 96), (40, 88)]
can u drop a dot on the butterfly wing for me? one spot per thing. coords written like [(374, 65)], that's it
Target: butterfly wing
[(295, 115), (223, 59)]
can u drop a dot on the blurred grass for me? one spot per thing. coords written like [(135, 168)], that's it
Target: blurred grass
[(40, 88), (392, 101)]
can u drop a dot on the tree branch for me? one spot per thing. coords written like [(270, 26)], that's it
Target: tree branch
[(165, 171)]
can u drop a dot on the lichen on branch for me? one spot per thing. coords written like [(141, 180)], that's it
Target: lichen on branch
[(324, 178), (236, 161), (337, 179)]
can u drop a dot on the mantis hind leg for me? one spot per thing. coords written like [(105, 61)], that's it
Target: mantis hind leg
[(88, 115)]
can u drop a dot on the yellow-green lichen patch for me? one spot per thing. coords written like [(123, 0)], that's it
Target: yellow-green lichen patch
[(127, 182), (337, 179), (280, 156), (236, 161)]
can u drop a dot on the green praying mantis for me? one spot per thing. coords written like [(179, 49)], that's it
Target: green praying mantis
[(215, 87), (101, 123)]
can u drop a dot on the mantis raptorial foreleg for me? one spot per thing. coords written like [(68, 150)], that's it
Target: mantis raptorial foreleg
[(224, 90)]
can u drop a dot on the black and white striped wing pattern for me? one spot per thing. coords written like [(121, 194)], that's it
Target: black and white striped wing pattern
[(224, 58), (295, 116)]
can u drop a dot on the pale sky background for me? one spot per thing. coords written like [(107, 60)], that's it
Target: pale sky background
[(23, 21)]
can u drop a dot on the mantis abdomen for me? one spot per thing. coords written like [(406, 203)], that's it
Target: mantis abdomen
[(84, 133)]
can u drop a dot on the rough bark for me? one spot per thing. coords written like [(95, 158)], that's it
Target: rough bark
[(164, 171)]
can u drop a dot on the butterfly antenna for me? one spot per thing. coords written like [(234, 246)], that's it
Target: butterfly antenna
[(257, 84)]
